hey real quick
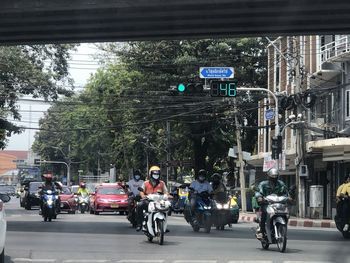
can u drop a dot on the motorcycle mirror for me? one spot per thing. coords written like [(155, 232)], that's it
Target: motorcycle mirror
[(5, 198)]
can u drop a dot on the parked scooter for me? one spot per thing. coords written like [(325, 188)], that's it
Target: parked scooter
[(155, 218), (276, 222), (340, 224), (225, 211), (49, 210), (203, 212), (83, 203)]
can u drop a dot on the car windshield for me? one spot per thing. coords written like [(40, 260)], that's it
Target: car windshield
[(110, 191), (66, 191), (34, 186)]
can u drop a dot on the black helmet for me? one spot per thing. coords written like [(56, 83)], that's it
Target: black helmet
[(202, 174), (137, 175), (216, 178)]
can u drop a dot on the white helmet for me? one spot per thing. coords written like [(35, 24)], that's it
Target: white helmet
[(272, 173)]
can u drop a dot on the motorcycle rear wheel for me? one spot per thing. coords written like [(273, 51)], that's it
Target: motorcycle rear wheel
[(282, 241), (161, 232)]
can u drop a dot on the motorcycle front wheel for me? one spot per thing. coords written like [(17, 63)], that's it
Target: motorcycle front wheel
[(265, 244), (282, 240), (160, 224)]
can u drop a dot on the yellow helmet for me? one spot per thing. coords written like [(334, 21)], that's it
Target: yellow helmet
[(154, 172)]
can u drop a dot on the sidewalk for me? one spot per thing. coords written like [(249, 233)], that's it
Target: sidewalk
[(293, 221)]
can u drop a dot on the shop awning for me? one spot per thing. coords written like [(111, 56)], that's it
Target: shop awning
[(336, 149)]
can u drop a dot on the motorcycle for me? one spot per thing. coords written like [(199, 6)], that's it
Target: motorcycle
[(276, 222), (180, 195), (155, 218), (132, 202), (225, 211), (83, 203), (339, 223), (203, 212), (49, 210)]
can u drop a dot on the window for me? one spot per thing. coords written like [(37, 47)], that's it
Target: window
[(110, 191)]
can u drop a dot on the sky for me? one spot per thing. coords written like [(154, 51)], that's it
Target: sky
[(81, 66)]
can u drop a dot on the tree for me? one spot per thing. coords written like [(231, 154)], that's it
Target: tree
[(38, 71)]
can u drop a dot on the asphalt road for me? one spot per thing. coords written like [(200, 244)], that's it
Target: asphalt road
[(110, 238)]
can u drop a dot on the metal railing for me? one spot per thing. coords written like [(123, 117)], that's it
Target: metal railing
[(334, 49)]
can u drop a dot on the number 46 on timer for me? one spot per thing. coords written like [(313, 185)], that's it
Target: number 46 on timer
[(223, 89)]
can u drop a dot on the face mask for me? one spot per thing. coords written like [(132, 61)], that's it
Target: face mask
[(155, 176), (201, 178), (137, 177)]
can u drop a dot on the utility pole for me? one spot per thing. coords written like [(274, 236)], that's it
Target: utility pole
[(300, 184), (69, 164), (168, 151), (240, 160)]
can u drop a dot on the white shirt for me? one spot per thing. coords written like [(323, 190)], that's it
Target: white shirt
[(133, 185)]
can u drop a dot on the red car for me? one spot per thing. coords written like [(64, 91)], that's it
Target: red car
[(67, 201), (109, 198)]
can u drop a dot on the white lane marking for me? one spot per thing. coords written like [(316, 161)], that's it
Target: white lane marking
[(250, 261), (85, 261), (303, 261), (194, 261), (140, 261), (33, 260)]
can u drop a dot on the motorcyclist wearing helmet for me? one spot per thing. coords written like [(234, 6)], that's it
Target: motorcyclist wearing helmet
[(82, 189), (133, 186), (198, 186), (219, 188), (265, 188), (47, 185), (151, 186)]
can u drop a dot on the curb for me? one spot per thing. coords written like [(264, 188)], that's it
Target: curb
[(296, 222)]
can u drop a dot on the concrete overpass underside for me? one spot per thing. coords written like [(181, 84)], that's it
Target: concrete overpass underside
[(64, 21)]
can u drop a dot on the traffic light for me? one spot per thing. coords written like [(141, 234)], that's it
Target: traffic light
[(188, 89), (276, 147)]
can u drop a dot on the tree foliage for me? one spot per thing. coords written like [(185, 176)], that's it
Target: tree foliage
[(121, 116), (38, 71)]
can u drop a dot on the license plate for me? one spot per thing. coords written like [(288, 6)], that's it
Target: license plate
[(114, 205)]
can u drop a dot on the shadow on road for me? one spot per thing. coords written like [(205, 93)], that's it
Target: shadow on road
[(8, 259)]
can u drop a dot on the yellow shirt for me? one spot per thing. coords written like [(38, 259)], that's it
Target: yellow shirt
[(340, 188), (346, 189)]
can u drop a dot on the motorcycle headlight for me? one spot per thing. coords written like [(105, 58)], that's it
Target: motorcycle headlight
[(49, 202), (226, 206), (207, 207), (219, 206)]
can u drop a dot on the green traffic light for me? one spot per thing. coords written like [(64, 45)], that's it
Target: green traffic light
[(181, 87)]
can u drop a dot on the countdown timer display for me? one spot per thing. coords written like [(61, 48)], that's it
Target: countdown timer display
[(223, 89)]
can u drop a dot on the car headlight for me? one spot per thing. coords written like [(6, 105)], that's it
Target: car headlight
[(219, 206)]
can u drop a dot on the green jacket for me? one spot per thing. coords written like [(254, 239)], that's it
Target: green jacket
[(266, 188)]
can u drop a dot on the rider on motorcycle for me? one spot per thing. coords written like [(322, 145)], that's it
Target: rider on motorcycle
[(219, 188), (47, 185), (151, 186), (199, 185), (133, 186), (344, 194), (82, 189), (265, 188)]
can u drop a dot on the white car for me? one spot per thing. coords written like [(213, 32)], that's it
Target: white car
[(3, 199)]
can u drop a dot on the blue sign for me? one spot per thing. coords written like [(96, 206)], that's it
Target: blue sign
[(216, 73), (269, 114)]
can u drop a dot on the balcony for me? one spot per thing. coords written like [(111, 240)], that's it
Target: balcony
[(336, 51)]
